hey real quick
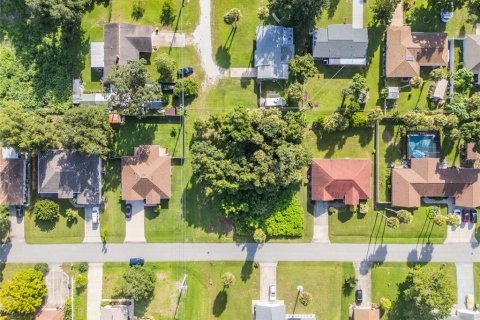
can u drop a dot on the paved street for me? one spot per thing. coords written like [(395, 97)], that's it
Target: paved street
[(57, 253), (94, 290), (135, 226)]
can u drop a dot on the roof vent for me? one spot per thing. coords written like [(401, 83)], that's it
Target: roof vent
[(410, 58)]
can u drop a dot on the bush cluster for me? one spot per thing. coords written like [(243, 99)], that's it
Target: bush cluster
[(286, 220), (46, 210)]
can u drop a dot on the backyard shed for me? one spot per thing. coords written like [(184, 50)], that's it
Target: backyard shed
[(393, 93), (96, 55), (440, 90), (77, 91)]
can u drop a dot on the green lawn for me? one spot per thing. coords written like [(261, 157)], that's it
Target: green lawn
[(346, 227), (8, 270), (476, 277), (337, 12), (234, 47), (113, 215), (387, 277), (205, 297), (323, 280), (37, 232), (164, 131), (391, 150), (80, 297)]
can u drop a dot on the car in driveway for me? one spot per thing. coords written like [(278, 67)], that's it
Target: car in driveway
[(167, 87), (465, 215), (19, 211), (137, 262), (458, 213), (95, 215), (473, 215), (185, 72), (272, 292), (359, 296), (128, 210)]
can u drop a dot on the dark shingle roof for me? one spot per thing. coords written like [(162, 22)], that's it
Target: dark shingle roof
[(340, 41)]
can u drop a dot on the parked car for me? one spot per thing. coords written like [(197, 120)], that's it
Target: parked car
[(95, 215), (445, 16), (458, 213), (128, 210), (272, 291), (137, 261), (465, 215), (19, 211), (167, 87), (473, 215), (359, 296), (185, 72)]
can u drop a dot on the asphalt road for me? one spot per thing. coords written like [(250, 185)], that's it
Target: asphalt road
[(455, 252)]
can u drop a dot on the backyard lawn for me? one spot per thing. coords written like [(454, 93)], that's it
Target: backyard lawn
[(205, 297), (386, 278), (347, 227), (113, 215), (337, 12), (390, 151), (323, 280), (38, 232)]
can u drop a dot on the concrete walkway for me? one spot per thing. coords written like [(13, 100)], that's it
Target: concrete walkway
[(363, 275), (135, 226), (268, 276), (357, 14), (464, 282), (397, 19), (168, 39), (243, 72), (57, 286), (320, 225), (17, 227), (92, 231), (94, 290)]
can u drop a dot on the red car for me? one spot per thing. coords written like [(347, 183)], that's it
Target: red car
[(465, 215)]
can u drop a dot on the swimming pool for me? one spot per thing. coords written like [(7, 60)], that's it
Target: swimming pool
[(420, 145)]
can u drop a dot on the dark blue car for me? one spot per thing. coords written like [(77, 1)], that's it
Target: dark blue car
[(137, 261)]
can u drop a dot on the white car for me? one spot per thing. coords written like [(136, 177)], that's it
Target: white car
[(95, 214), (446, 16), (458, 213), (272, 292)]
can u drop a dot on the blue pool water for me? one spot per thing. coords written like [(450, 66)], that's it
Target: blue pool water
[(421, 146)]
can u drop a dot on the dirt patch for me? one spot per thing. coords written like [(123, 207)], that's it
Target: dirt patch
[(161, 276)]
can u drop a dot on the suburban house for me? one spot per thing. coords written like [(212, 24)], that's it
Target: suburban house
[(70, 175), (117, 309), (425, 178), (123, 42), (471, 55), (276, 311), (340, 44), (366, 314), (12, 178), (407, 51), (147, 175), (274, 50), (341, 179)]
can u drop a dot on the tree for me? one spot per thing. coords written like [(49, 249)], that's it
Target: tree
[(393, 222), (247, 158), (86, 129), (404, 216), (26, 131), (462, 80), (294, 94), (452, 220), (168, 13), (438, 74), (43, 268), (363, 208), (139, 283), (83, 267), (374, 115), (232, 17), (335, 122), (349, 284), (302, 67), (429, 293), (439, 220), (189, 87), (21, 296), (263, 13), (54, 12), (470, 132), (132, 88), (305, 298), (416, 82), (357, 89), (297, 13), (383, 11), (46, 210), (138, 9), (259, 236), (458, 106), (447, 5), (72, 215), (4, 222), (166, 67), (474, 102), (228, 280), (385, 304), (359, 120), (81, 282)]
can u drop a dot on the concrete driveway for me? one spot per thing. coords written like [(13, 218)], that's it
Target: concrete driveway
[(268, 276), (135, 226), (94, 290), (17, 228), (464, 282), (320, 226), (57, 285), (464, 233), (92, 231), (357, 14), (363, 274)]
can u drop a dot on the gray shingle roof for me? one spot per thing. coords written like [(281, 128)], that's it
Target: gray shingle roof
[(471, 53), (340, 41), (67, 173), (274, 50), (267, 311)]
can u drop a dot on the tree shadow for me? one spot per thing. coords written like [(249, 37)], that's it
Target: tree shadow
[(45, 226), (152, 213), (222, 57), (220, 303), (332, 8), (344, 215), (247, 267), (426, 18)]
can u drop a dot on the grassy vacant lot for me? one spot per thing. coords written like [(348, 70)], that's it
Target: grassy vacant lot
[(234, 47), (205, 297), (164, 131), (323, 280), (80, 297), (113, 215), (39, 232), (347, 227), (387, 276)]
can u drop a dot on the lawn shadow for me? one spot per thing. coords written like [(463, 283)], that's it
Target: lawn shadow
[(344, 215), (111, 180), (222, 57), (220, 303), (45, 226), (152, 213)]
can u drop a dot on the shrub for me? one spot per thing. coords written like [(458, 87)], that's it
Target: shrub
[(332, 210), (404, 216), (286, 220), (384, 93), (416, 82), (462, 80), (166, 67), (104, 235), (439, 74), (42, 267), (374, 115), (474, 102), (263, 13), (294, 94), (228, 279), (363, 208), (259, 236), (439, 220), (139, 283), (335, 122), (385, 304), (349, 284), (46, 210), (72, 215), (305, 298), (188, 85), (138, 9), (232, 16), (67, 310), (318, 124), (393, 222), (452, 220), (4, 222), (433, 211), (359, 120), (351, 108), (81, 282), (83, 267)]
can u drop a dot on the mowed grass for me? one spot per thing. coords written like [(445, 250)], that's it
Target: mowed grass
[(337, 12), (323, 280), (40, 232), (113, 214), (8, 270), (386, 278), (348, 227), (235, 47), (79, 296), (391, 149), (205, 297), (476, 277), (164, 131)]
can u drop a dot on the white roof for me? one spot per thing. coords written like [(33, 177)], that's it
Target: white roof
[(348, 61), (440, 89), (97, 55)]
